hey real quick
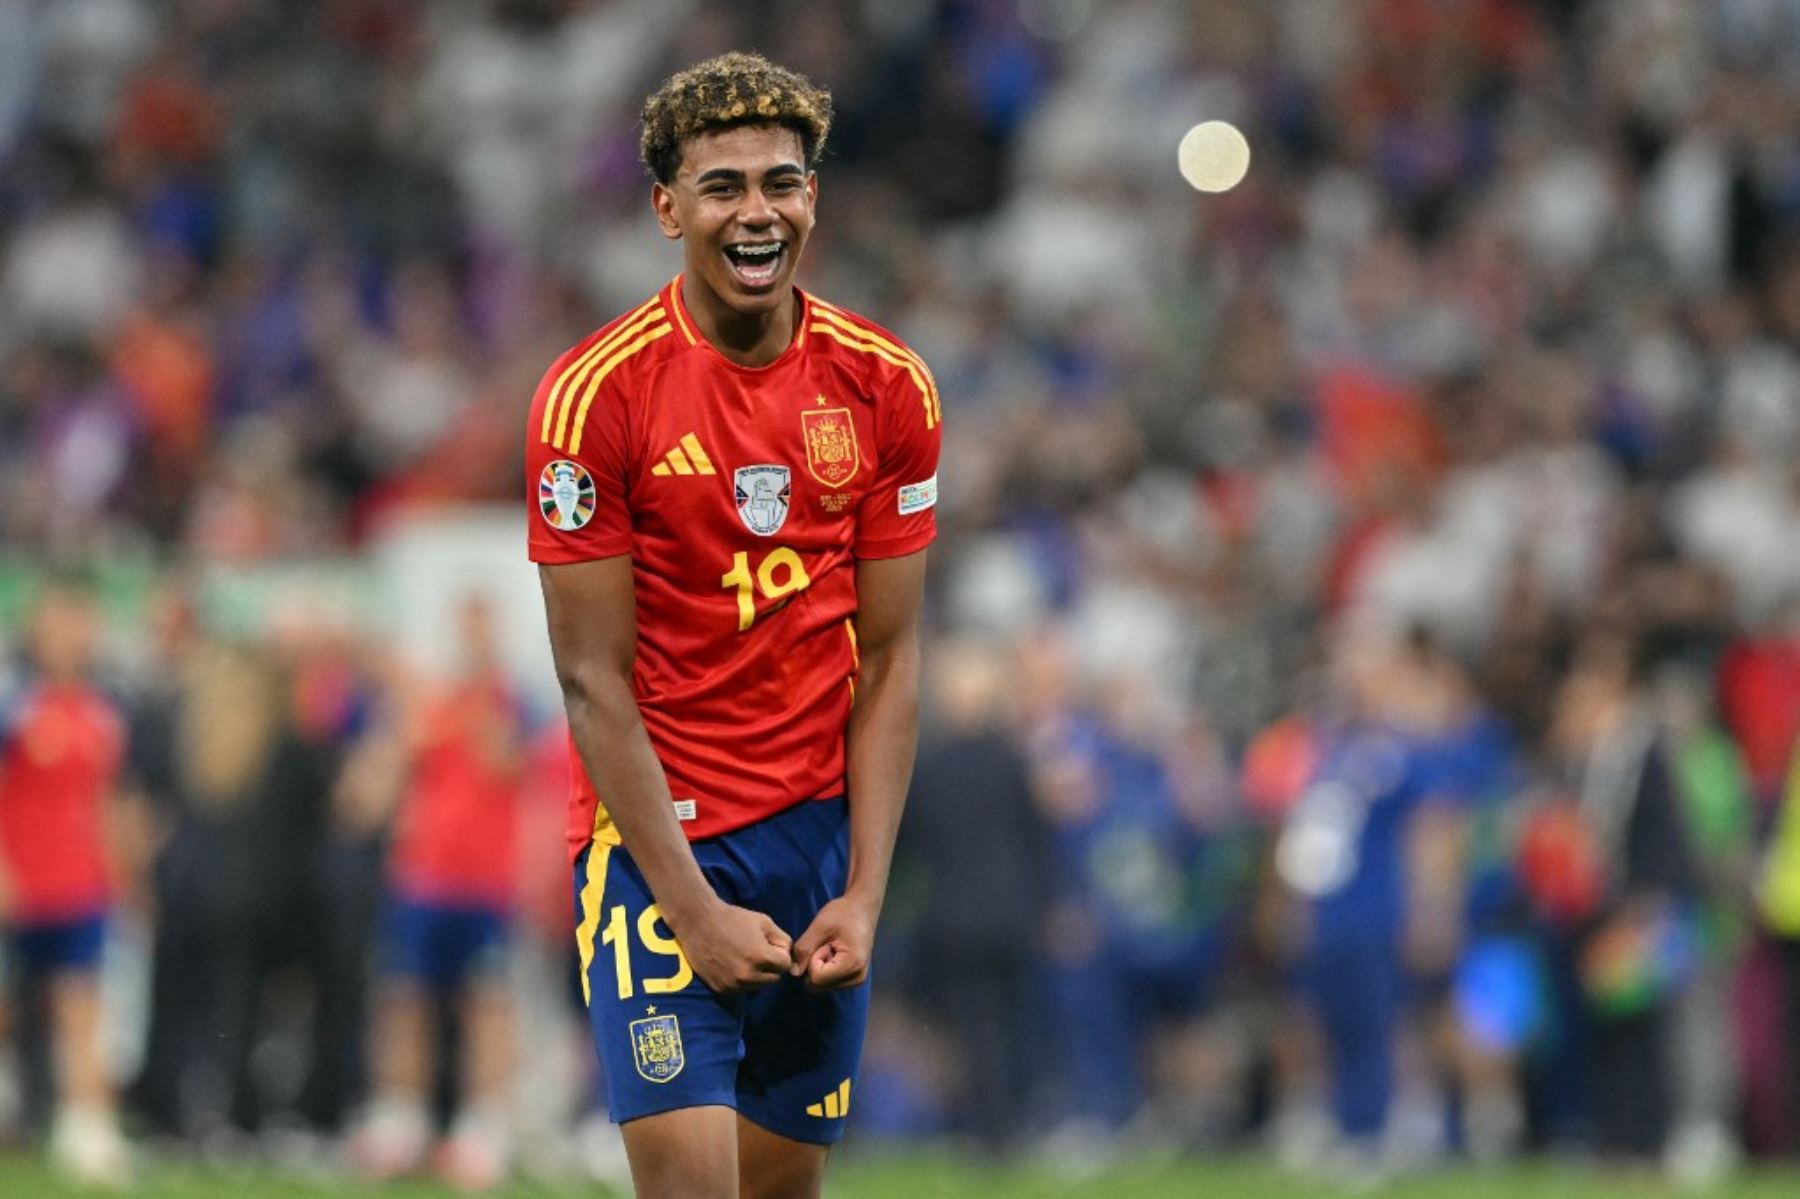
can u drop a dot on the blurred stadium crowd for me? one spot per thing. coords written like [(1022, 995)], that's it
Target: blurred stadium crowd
[(1366, 665)]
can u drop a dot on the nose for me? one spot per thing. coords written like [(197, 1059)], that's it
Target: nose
[(756, 212)]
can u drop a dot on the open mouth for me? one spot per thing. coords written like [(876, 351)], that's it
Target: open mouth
[(756, 263)]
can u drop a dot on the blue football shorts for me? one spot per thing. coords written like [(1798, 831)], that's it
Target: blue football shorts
[(443, 946), (783, 1056), (56, 946)]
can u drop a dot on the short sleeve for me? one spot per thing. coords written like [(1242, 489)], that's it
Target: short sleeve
[(898, 514), (576, 468)]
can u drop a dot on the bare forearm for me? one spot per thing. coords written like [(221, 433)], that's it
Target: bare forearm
[(614, 747), (882, 737)]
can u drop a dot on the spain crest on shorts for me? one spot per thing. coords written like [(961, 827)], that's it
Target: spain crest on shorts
[(831, 453), (763, 494), (566, 495), (656, 1047)]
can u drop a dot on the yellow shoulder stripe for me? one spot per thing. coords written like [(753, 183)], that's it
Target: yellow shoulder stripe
[(675, 310), (599, 377), (844, 320), (841, 319), (566, 382), (838, 335)]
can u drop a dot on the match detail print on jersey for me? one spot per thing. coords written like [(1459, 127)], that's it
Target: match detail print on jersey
[(763, 495), (566, 495)]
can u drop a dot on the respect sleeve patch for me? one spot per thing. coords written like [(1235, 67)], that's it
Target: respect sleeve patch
[(916, 497)]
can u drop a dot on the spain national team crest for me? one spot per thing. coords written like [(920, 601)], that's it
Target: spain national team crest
[(656, 1047), (566, 495), (831, 455), (763, 494)]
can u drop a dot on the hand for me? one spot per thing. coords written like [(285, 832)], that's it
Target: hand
[(834, 950), (734, 949)]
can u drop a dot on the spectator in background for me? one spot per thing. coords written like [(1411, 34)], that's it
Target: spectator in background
[(1713, 792), (1373, 855), (452, 889), (1133, 950), (1778, 898), (184, 842), (1337, 860), (62, 747), (253, 1018), (1635, 950), (1469, 971), (974, 834)]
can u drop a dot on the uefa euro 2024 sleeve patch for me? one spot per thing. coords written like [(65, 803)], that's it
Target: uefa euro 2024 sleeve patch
[(916, 497), (566, 495)]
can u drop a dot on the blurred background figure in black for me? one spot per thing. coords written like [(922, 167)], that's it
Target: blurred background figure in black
[(974, 839)]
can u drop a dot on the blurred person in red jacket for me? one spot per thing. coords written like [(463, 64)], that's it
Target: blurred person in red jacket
[(62, 744), (452, 891)]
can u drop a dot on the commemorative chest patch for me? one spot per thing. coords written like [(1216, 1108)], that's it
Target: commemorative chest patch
[(831, 453), (656, 1047), (763, 494), (566, 495)]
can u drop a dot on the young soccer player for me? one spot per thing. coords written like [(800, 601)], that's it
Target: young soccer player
[(62, 746), (731, 492)]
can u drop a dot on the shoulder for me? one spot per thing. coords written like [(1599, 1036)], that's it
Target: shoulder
[(879, 354), (603, 363)]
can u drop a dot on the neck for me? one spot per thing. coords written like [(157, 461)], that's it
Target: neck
[(746, 338)]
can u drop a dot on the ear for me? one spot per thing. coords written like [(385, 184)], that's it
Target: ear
[(662, 202), (812, 190)]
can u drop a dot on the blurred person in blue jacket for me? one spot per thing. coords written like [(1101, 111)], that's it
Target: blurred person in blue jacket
[(1366, 856), (1474, 972), (1136, 933)]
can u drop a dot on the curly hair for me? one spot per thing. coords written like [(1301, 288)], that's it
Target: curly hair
[(725, 92)]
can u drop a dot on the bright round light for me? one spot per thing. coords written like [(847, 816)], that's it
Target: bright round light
[(1214, 156)]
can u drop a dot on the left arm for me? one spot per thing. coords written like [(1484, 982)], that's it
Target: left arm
[(882, 734)]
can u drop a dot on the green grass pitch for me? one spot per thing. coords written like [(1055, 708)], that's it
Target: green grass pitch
[(929, 1177)]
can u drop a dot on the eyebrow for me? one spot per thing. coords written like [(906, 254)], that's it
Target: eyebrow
[(733, 175)]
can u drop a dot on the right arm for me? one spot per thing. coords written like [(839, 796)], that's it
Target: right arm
[(592, 612)]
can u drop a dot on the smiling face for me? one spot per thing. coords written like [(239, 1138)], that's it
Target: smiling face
[(742, 205)]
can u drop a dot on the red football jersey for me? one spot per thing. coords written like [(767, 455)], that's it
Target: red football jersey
[(745, 497), (453, 838), (60, 757)]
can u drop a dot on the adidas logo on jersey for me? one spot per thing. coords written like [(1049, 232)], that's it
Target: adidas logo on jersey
[(835, 1105), (685, 459)]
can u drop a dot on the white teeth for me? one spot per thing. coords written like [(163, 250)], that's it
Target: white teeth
[(759, 250)]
